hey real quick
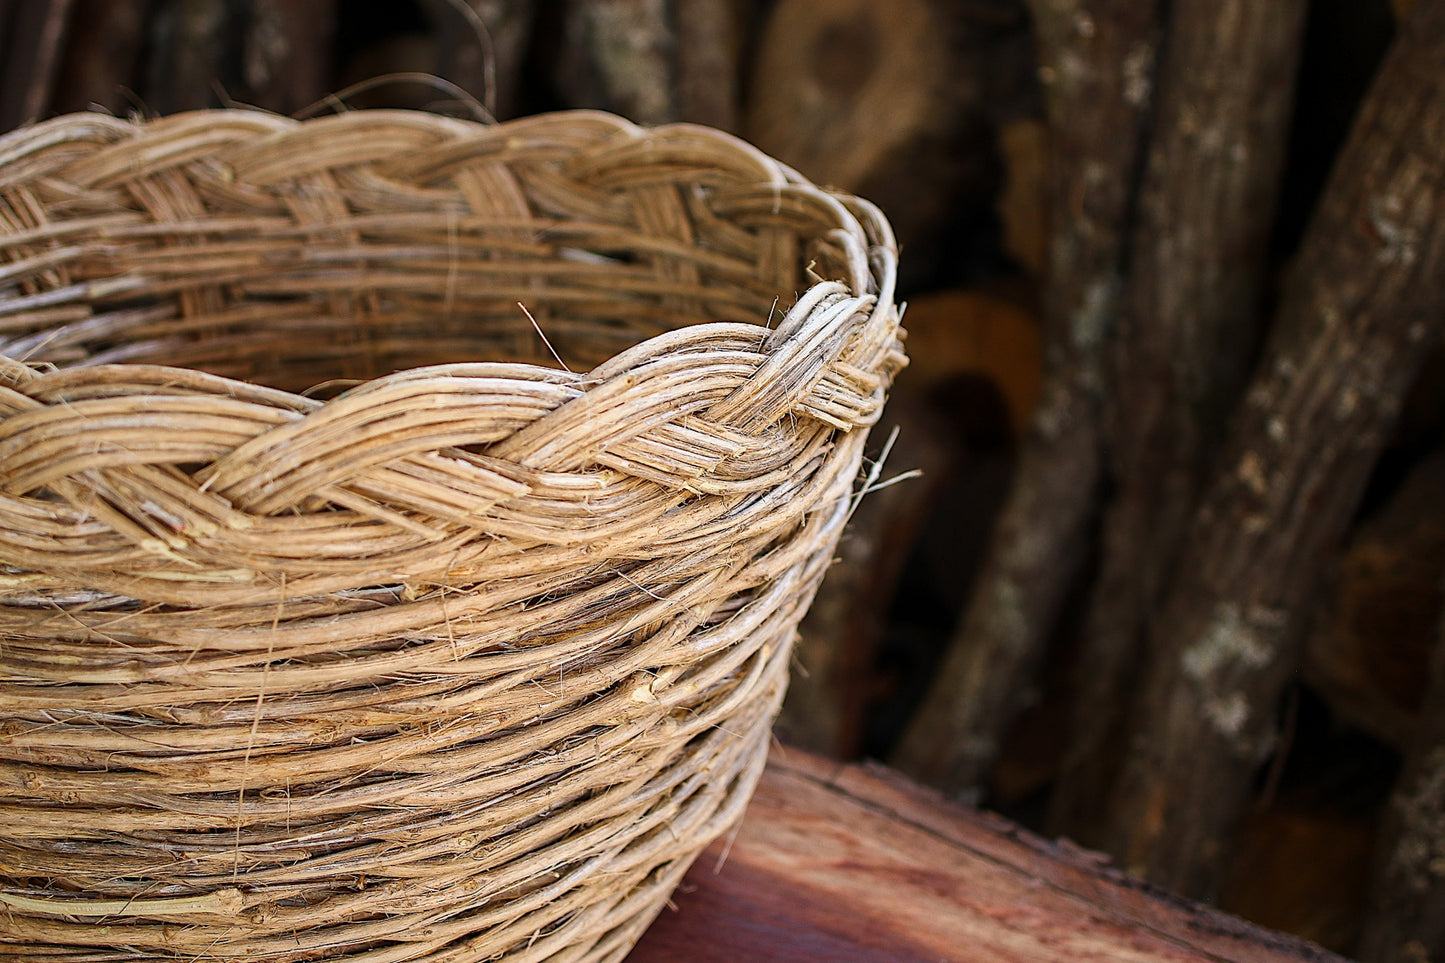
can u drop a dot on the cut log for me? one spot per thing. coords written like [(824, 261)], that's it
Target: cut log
[(1357, 317), (974, 368), (1098, 67), (953, 334), (1023, 201), (893, 101), (855, 863), (961, 406), (1186, 334)]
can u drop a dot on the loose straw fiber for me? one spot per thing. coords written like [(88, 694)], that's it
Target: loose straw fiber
[(337, 620)]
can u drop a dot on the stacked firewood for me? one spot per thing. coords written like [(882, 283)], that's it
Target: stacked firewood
[(1171, 582)]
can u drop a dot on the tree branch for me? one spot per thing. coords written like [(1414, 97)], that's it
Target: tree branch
[(1356, 318), (1098, 67), (1187, 331)]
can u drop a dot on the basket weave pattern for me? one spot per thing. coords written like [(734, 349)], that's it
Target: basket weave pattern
[(461, 655)]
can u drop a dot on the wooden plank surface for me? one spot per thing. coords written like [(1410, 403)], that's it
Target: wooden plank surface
[(855, 863)]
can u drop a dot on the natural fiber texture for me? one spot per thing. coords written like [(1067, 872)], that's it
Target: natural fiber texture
[(465, 661)]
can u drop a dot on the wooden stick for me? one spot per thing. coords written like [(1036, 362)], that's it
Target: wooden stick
[(484, 55), (220, 902), (1186, 334), (1098, 63), (102, 50), (31, 36), (193, 42), (655, 60), (286, 63), (1362, 306)]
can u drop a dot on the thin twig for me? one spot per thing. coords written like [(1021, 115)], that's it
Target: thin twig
[(337, 100), (543, 336)]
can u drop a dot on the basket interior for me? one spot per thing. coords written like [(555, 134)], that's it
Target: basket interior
[(563, 305), (352, 271)]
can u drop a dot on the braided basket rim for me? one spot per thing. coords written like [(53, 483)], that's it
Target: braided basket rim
[(546, 613)]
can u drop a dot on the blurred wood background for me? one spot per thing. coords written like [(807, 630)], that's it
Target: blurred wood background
[(1171, 582)]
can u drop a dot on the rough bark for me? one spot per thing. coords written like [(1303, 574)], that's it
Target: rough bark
[(711, 36), (855, 863), (655, 61), (1405, 922), (1187, 330), (1356, 318), (1098, 61)]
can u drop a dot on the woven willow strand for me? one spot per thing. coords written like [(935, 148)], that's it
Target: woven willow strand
[(338, 621)]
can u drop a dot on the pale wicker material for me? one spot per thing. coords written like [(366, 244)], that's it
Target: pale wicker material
[(467, 661)]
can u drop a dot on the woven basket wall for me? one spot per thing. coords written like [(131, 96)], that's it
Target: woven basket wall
[(337, 619)]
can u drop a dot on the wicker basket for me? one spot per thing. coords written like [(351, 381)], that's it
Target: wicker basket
[(337, 620)]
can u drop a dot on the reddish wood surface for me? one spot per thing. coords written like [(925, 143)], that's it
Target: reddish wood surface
[(843, 862)]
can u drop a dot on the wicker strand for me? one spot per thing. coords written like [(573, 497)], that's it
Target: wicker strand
[(337, 619)]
